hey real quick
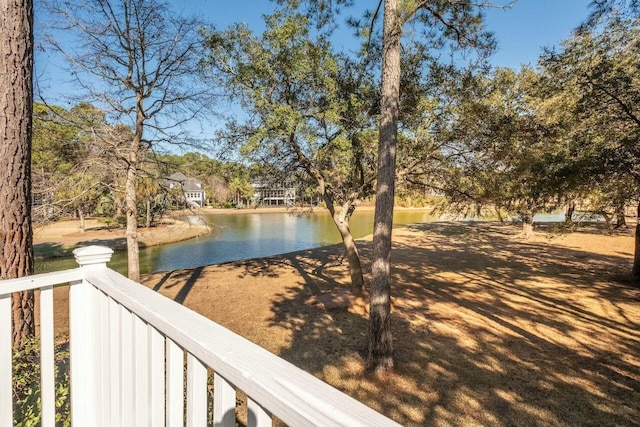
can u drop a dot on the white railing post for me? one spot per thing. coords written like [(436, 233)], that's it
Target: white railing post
[(84, 329)]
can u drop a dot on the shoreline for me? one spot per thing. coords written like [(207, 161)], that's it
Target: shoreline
[(59, 239)]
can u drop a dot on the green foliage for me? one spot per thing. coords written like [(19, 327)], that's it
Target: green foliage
[(596, 70), (514, 152), (65, 176), (308, 109), (26, 385)]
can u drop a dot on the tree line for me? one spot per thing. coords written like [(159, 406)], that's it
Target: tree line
[(78, 169)]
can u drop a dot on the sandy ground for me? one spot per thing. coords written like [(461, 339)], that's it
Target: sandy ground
[(489, 329), (60, 238)]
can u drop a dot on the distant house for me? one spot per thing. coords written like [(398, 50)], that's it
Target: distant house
[(191, 188), (273, 194)]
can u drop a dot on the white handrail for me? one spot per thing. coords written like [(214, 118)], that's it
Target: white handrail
[(38, 281)]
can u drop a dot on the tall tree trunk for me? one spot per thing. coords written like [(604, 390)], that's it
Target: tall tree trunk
[(133, 256), (380, 356), (130, 196), (16, 108), (636, 256)]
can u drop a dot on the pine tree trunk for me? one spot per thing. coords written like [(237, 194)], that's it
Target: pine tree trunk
[(16, 107), (380, 355)]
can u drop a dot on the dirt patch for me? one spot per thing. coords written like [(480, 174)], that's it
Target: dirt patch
[(489, 329)]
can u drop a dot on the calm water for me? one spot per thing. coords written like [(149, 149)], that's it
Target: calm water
[(246, 236)]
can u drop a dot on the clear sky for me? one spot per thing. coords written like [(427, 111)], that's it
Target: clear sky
[(521, 31)]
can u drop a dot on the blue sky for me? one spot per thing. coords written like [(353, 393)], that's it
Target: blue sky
[(521, 31)]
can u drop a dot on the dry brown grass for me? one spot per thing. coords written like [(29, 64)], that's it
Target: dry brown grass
[(488, 329)]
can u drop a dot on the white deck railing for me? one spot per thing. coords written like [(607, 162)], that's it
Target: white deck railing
[(127, 348)]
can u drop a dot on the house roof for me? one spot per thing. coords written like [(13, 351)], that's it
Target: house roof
[(177, 177), (192, 184)]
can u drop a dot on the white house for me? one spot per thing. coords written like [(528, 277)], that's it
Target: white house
[(192, 188)]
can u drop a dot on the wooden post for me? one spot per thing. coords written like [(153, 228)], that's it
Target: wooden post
[(84, 331)]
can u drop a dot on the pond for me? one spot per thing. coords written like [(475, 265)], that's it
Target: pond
[(244, 236)]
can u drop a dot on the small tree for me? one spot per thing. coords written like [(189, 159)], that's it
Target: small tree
[(138, 60), (300, 118)]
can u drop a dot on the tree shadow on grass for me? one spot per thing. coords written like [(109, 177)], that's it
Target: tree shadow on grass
[(488, 330), (186, 278)]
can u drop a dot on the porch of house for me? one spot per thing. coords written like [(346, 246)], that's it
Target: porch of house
[(128, 346)]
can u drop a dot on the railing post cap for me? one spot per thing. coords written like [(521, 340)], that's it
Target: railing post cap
[(92, 255)]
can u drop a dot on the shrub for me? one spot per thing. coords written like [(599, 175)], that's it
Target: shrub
[(26, 385)]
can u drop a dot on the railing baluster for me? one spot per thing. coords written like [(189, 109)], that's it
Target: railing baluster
[(104, 357), (257, 416), (82, 348), (196, 392), (47, 374), (175, 385), (156, 377), (6, 393), (126, 367), (115, 366), (224, 402), (141, 372)]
